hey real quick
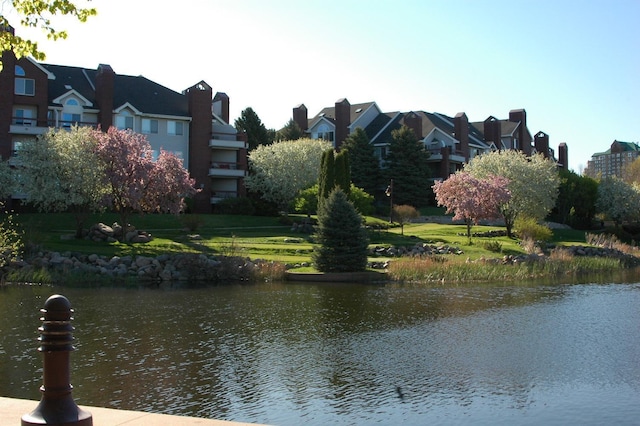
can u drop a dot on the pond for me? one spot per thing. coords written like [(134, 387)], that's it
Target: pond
[(344, 354)]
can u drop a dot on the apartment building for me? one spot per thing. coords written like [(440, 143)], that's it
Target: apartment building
[(193, 124), (451, 141), (612, 162)]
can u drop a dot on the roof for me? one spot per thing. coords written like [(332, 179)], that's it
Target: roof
[(143, 94), (329, 113), (624, 147)]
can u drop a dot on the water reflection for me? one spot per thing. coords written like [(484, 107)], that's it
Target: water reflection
[(283, 353)]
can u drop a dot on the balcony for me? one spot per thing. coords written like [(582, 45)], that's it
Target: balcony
[(217, 196), (221, 140), (225, 169), (32, 126)]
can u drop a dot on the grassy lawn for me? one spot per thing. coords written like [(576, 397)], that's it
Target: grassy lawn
[(252, 236)]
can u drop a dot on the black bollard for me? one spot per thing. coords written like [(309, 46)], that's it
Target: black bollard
[(57, 406)]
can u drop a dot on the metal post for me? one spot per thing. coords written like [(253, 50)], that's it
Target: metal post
[(57, 406)]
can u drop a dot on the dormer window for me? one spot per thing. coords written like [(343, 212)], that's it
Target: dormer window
[(23, 86)]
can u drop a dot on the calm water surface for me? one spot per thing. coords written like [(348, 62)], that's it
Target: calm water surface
[(287, 354)]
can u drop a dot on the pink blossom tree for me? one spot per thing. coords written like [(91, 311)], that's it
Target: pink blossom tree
[(136, 183), (472, 199)]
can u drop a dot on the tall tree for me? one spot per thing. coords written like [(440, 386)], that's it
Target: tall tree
[(364, 166), (533, 182), (576, 203), (631, 172), (290, 132), (280, 170), (407, 165), (618, 200), (37, 14), (341, 238), (472, 199), (60, 172), (257, 133), (135, 182), (343, 172), (327, 178)]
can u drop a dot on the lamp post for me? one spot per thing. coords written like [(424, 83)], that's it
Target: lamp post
[(389, 193)]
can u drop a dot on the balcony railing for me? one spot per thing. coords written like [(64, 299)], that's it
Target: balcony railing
[(28, 125), (223, 168)]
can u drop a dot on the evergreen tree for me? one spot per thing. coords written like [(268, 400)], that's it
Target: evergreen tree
[(257, 133), (407, 165), (342, 239), (342, 174), (290, 132), (363, 164), (327, 179)]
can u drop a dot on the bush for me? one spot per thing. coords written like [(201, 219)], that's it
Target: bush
[(529, 229), (307, 201), (493, 246), (192, 221), (237, 206)]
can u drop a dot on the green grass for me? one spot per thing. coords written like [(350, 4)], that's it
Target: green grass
[(252, 236)]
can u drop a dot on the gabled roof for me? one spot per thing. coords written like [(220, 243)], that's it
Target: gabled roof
[(507, 128), (625, 147), (329, 113), (141, 93), (430, 122)]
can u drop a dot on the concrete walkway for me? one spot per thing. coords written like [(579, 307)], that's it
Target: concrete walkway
[(12, 410)]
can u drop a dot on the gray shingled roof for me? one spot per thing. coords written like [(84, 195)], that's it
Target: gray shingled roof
[(145, 95)]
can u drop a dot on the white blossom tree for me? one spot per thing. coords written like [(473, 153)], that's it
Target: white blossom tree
[(618, 200), (281, 170), (60, 172), (533, 182)]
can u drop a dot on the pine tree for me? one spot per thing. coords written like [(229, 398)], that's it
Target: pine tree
[(342, 239), (257, 133), (290, 132), (363, 164), (327, 180), (407, 165)]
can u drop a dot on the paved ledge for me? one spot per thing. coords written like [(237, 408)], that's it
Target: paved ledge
[(12, 410)]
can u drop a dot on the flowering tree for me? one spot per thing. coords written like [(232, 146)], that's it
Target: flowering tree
[(280, 170), (618, 200), (472, 199), (135, 182), (533, 182), (60, 172)]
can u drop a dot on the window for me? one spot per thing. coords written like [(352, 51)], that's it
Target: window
[(175, 128), (149, 126), (25, 86), (22, 117), (69, 119), (124, 121)]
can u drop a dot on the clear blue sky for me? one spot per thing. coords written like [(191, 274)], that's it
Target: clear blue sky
[(574, 65)]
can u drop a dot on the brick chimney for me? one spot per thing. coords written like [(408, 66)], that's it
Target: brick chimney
[(461, 133), (520, 116), (493, 131), (105, 80), (414, 121), (343, 120), (199, 100), (221, 106), (563, 156), (541, 142), (7, 86), (300, 117)]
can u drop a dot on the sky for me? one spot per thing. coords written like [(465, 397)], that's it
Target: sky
[(573, 65)]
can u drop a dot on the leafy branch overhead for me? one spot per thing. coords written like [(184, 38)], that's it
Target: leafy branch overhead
[(37, 14)]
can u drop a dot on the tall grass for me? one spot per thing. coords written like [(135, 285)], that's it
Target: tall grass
[(430, 269)]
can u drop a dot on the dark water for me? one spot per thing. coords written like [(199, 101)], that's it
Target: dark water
[(288, 354)]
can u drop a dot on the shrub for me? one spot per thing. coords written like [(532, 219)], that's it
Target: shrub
[(237, 206), (192, 221), (307, 201), (493, 246), (529, 229)]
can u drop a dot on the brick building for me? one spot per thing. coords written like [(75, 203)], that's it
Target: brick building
[(451, 141), (612, 162), (193, 124)]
